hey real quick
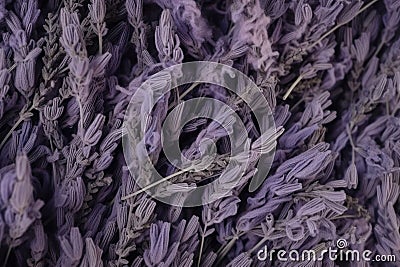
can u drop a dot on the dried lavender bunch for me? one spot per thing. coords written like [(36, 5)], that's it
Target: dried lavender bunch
[(329, 70)]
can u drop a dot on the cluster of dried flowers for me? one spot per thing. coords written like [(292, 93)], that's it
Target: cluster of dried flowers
[(330, 71)]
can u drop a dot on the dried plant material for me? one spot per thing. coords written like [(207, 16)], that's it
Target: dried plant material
[(329, 70)]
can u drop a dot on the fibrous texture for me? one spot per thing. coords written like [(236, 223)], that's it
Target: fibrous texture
[(330, 71)]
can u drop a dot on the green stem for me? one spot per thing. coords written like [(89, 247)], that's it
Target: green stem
[(353, 147), (188, 91), (100, 37), (180, 97), (202, 245), (378, 49), (81, 130), (262, 241), (10, 132), (155, 184), (21, 119), (292, 87), (7, 255), (296, 105), (396, 108), (225, 249), (341, 24)]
